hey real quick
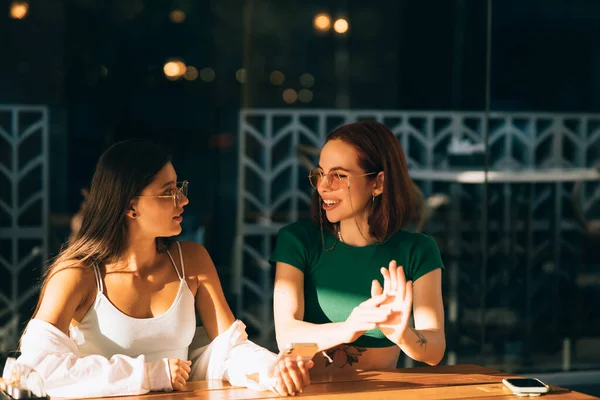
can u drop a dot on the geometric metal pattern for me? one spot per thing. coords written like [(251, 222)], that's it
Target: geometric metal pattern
[(24, 196), (527, 249), (532, 236)]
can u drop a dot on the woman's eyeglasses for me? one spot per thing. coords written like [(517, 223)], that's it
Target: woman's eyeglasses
[(182, 190), (333, 178)]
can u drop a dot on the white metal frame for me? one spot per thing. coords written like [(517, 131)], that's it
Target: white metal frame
[(17, 135)]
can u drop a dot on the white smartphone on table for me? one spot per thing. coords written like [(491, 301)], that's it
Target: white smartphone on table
[(306, 352), (526, 386)]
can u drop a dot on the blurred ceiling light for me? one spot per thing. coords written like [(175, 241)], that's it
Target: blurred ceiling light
[(19, 9), (277, 78), (241, 75), (191, 73), (290, 96), (340, 25), (177, 16), (174, 69), (207, 74), (307, 80), (305, 96), (322, 22)]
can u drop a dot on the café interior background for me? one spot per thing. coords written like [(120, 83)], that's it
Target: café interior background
[(243, 93)]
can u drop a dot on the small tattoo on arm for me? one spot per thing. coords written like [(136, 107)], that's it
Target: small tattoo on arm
[(422, 339)]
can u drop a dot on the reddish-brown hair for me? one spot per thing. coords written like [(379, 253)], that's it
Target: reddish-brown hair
[(378, 150)]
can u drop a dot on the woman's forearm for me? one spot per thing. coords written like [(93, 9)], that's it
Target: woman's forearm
[(425, 345), (325, 336)]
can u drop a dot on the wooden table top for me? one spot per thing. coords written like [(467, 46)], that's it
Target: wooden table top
[(440, 382)]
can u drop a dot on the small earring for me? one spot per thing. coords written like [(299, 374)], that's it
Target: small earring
[(134, 215), (373, 198)]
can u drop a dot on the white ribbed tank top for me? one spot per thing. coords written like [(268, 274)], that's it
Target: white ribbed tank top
[(108, 331)]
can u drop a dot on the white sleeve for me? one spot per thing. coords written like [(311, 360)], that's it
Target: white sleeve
[(249, 364), (55, 357), (234, 358)]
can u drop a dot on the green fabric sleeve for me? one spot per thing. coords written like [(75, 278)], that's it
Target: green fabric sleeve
[(426, 258), (291, 248)]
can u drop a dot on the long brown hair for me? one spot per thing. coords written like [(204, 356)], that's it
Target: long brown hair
[(378, 150), (122, 172)]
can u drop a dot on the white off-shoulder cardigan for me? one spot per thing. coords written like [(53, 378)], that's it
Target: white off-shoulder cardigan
[(55, 357)]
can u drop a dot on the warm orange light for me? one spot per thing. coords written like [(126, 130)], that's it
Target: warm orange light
[(174, 69), (322, 22), (341, 26), (177, 16), (19, 10), (290, 96)]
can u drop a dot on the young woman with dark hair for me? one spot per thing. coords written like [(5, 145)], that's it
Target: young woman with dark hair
[(117, 309)]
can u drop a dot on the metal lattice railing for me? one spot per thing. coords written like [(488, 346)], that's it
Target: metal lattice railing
[(24, 192), (273, 191)]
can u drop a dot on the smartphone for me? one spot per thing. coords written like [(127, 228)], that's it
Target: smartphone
[(306, 351), (294, 350), (526, 385)]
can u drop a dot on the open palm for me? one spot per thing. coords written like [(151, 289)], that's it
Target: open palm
[(400, 298)]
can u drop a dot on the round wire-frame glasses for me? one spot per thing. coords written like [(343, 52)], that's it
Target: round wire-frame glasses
[(334, 178), (182, 190)]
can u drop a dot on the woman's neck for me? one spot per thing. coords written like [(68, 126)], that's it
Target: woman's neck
[(355, 232), (139, 255)]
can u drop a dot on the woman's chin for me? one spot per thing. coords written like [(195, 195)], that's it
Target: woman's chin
[(333, 217), (174, 232)]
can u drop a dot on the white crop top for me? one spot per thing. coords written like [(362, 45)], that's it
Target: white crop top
[(107, 331)]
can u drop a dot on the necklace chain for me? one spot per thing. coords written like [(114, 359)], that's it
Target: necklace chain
[(339, 232)]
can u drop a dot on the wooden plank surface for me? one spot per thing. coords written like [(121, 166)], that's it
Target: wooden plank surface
[(440, 382)]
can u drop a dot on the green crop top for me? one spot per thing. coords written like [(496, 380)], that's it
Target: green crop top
[(337, 281)]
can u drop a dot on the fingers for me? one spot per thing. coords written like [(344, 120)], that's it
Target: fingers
[(387, 282), (279, 385), (304, 376), (180, 371), (404, 299), (185, 375), (181, 381), (178, 383), (401, 277), (393, 276), (290, 388), (293, 368), (367, 318), (304, 367), (374, 301), (187, 366), (364, 318), (401, 281), (376, 288)]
